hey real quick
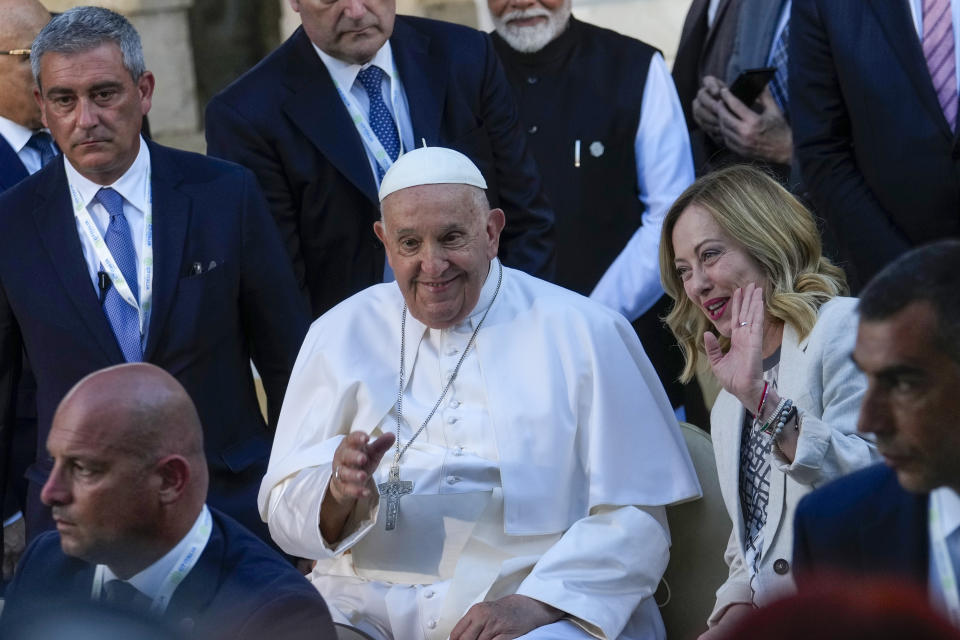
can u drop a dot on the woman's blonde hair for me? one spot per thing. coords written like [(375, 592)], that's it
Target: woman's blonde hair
[(776, 230)]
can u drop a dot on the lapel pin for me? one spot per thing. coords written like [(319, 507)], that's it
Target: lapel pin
[(596, 149), (197, 269)]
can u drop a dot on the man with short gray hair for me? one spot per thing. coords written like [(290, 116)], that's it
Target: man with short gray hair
[(127, 251)]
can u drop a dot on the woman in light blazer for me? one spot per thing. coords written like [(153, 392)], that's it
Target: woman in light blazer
[(755, 297)]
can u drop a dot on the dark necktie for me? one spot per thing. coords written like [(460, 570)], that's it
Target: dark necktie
[(124, 595), (42, 143), (381, 121), (939, 50), (778, 59), (124, 319)]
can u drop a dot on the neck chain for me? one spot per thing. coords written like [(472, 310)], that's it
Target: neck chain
[(394, 488)]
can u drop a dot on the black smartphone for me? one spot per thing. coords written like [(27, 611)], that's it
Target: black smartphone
[(750, 83)]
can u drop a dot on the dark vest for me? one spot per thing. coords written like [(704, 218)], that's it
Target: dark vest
[(585, 85)]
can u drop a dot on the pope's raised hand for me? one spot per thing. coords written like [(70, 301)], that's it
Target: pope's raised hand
[(354, 462), (740, 370)]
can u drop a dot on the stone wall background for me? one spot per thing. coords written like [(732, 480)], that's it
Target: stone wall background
[(197, 47)]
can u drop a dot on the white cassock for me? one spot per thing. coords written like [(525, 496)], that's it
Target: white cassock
[(544, 472)]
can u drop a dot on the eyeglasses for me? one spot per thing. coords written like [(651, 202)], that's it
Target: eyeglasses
[(16, 52)]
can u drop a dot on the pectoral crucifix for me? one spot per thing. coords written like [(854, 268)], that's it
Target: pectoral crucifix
[(392, 490)]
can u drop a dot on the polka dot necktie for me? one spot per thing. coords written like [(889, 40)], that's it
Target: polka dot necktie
[(381, 121), (124, 318)]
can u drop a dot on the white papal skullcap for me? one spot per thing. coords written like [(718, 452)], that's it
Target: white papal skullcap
[(430, 165)]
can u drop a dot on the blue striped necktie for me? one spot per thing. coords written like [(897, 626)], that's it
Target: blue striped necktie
[(124, 318)]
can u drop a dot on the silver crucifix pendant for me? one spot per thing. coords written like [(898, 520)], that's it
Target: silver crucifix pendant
[(392, 490)]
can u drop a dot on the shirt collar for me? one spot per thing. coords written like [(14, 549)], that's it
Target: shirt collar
[(345, 73), (486, 292), (16, 135), (132, 185), (150, 580), (949, 503)]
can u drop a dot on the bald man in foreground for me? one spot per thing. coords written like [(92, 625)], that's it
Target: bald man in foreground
[(127, 492)]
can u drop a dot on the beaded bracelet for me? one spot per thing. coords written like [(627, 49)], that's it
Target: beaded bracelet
[(786, 416)]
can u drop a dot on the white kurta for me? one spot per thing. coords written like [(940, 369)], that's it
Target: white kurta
[(544, 472)]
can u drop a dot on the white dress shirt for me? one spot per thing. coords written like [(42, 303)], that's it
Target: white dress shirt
[(631, 285), (345, 75), (17, 136), (150, 581), (949, 504), (134, 186)]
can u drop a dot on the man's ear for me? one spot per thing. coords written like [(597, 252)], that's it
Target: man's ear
[(495, 223), (174, 473), (381, 231), (39, 98), (145, 86)]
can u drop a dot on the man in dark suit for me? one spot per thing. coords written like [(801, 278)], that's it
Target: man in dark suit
[(878, 151), (128, 251), (24, 149), (758, 132), (322, 118), (128, 490), (884, 519), (706, 43)]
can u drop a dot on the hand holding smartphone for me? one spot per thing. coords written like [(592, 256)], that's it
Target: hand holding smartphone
[(750, 83)]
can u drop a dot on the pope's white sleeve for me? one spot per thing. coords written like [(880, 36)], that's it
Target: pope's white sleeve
[(603, 567), (294, 515), (631, 285)]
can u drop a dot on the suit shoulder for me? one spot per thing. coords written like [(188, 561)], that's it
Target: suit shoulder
[(856, 493), (441, 29), (616, 42), (253, 567), (195, 167)]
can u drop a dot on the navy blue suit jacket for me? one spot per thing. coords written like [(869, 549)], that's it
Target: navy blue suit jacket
[(239, 589), (863, 524), (284, 120), (12, 170), (876, 153), (203, 329)]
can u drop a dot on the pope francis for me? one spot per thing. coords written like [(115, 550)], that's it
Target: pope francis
[(471, 452)]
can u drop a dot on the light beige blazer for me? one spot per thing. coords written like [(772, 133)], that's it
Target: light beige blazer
[(818, 374)]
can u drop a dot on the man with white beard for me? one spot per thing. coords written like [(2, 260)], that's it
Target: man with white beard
[(607, 130)]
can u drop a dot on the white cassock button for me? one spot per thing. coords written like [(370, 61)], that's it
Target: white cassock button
[(451, 419), (454, 404), (452, 351), (448, 373), (452, 479), (428, 595), (458, 451), (432, 623)]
